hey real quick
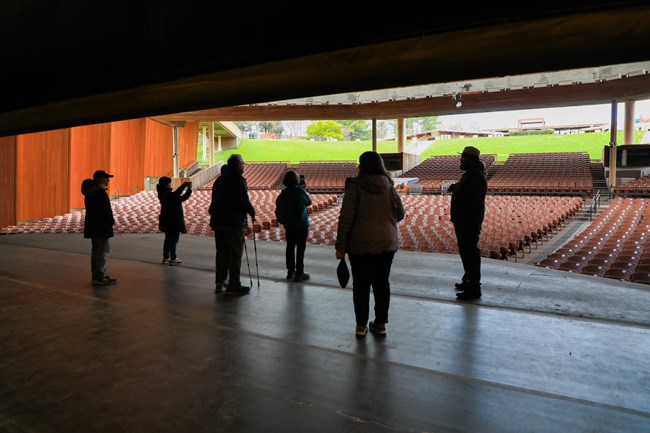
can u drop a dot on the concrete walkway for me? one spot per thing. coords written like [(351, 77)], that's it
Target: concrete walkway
[(542, 351)]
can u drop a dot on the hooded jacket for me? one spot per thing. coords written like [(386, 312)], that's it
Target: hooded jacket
[(468, 198), (369, 214), (98, 221)]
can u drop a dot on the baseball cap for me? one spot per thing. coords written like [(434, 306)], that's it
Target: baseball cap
[(101, 173), (471, 150)]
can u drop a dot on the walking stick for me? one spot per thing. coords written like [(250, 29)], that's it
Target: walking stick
[(250, 276), (257, 269)]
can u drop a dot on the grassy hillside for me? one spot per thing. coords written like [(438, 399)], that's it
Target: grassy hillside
[(295, 151)]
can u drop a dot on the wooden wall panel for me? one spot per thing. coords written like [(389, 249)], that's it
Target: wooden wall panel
[(42, 175), (188, 140), (127, 156), (8, 180), (89, 151), (158, 149)]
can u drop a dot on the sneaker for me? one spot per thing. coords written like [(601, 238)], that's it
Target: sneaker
[(301, 276), (105, 280), (165, 261), (237, 290), (460, 286), (378, 329), (175, 261), (291, 275), (219, 287), (469, 293), (361, 331)]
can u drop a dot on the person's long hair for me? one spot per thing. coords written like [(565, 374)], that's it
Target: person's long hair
[(371, 163)]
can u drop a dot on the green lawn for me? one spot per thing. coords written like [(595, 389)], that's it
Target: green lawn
[(295, 151)]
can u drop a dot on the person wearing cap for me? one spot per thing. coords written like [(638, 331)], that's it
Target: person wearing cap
[(467, 213), (98, 224), (171, 219)]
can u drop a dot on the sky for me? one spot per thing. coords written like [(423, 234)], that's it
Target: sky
[(552, 116)]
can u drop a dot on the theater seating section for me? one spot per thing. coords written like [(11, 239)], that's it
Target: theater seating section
[(613, 246), (436, 171)]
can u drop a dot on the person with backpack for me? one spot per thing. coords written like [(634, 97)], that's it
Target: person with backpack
[(291, 212)]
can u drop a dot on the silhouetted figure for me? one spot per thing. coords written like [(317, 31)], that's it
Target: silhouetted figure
[(467, 213), (291, 211), (98, 224), (367, 232), (229, 208), (171, 219)]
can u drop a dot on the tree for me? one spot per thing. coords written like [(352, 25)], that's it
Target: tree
[(324, 130), (355, 129)]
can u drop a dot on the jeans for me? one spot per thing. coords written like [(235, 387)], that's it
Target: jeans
[(229, 243), (98, 255), (296, 245), (372, 270), (169, 245)]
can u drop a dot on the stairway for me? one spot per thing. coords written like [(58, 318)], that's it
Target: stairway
[(599, 181)]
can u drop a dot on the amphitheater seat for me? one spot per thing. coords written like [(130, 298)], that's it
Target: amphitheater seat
[(618, 274), (595, 270), (642, 277)]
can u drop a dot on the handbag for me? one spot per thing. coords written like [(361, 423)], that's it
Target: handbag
[(343, 273)]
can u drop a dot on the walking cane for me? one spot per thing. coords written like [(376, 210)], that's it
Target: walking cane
[(257, 269), (250, 276)]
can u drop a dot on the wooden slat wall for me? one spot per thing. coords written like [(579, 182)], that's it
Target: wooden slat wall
[(8, 181), (188, 139), (42, 175), (127, 156), (90, 148), (158, 148)]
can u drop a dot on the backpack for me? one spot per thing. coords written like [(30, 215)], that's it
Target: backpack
[(283, 207)]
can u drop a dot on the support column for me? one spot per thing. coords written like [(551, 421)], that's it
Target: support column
[(211, 141), (374, 134), (629, 123), (219, 143), (175, 151), (401, 134), (205, 144), (612, 148)]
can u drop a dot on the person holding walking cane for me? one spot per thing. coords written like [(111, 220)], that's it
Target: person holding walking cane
[(229, 210)]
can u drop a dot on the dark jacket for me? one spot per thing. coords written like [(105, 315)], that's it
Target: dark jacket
[(468, 198), (297, 200), (230, 202), (171, 216), (99, 221), (369, 214)]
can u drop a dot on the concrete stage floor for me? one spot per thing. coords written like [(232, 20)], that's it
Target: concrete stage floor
[(542, 351)]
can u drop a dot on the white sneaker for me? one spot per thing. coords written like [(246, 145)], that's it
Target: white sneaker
[(175, 261)]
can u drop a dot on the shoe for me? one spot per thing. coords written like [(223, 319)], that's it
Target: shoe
[(460, 286), (165, 261), (361, 331), (469, 293), (219, 287), (176, 261), (378, 329), (237, 290), (291, 275), (301, 277), (105, 280)]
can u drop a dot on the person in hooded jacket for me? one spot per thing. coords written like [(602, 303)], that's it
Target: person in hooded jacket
[(367, 232), (296, 224), (98, 224), (467, 213), (171, 218)]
